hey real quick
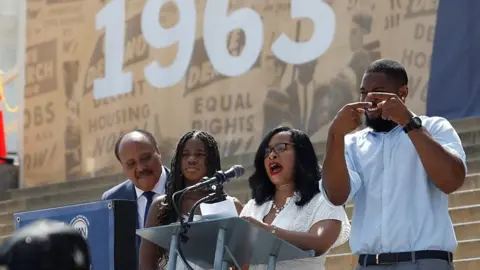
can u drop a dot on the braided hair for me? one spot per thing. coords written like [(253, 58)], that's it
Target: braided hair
[(167, 214)]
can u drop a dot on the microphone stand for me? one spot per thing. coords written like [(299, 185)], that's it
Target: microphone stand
[(181, 235), (218, 194)]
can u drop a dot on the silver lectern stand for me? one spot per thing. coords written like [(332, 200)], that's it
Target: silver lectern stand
[(223, 242)]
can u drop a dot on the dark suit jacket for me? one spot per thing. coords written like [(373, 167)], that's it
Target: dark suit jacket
[(126, 191)]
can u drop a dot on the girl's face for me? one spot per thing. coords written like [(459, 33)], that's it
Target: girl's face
[(194, 161)]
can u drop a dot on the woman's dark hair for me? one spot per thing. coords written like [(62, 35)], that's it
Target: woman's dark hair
[(307, 172), (167, 214)]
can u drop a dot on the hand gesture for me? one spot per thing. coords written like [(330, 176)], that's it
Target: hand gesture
[(348, 118), (392, 107)]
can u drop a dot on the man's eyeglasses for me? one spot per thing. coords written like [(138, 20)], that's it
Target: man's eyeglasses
[(278, 148)]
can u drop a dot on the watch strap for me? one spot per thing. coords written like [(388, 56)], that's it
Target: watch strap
[(412, 124)]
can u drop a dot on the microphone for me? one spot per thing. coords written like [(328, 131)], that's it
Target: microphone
[(221, 177)]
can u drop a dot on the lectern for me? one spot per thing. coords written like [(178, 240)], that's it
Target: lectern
[(219, 242), (108, 226)]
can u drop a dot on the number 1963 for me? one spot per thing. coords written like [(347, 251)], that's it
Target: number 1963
[(217, 24)]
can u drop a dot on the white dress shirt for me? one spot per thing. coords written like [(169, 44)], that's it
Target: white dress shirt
[(159, 189)]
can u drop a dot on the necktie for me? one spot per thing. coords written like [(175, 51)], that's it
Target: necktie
[(149, 196)]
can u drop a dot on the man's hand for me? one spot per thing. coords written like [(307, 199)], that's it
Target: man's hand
[(392, 107), (348, 118)]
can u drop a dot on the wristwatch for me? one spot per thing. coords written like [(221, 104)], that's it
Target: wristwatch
[(414, 123)]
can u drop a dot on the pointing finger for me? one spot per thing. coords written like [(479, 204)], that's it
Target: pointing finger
[(359, 110), (380, 105), (359, 105)]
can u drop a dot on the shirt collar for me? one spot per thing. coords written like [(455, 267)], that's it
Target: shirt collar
[(159, 188)]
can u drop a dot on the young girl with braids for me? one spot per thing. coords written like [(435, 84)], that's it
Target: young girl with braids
[(196, 156)]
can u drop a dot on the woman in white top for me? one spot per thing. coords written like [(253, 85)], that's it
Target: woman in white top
[(287, 202), (196, 156)]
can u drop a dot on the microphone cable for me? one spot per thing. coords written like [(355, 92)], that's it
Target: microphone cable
[(184, 226)]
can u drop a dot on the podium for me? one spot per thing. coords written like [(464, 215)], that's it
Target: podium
[(218, 243), (108, 226)]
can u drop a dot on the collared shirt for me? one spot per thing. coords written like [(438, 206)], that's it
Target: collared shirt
[(159, 189), (397, 207)]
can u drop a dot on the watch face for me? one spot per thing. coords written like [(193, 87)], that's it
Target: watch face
[(417, 121)]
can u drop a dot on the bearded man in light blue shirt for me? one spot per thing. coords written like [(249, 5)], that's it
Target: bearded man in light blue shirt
[(399, 172)]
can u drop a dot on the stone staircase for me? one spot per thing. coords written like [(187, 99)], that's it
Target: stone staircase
[(464, 204)]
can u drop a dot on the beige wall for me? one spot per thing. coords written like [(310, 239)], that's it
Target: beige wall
[(70, 134)]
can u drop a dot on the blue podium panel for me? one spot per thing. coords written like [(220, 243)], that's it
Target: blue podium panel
[(96, 222)]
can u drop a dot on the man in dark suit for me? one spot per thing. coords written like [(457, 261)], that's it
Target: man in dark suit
[(140, 157)]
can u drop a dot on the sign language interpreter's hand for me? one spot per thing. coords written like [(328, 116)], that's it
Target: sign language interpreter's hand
[(348, 118), (392, 107)]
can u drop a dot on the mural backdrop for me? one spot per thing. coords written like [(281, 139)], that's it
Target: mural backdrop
[(97, 68)]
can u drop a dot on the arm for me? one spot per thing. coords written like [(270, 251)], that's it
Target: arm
[(335, 178), (148, 255), (238, 205), (340, 181), (321, 236), (325, 222), (441, 155)]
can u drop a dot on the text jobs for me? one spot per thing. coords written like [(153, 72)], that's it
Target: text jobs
[(217, 25)]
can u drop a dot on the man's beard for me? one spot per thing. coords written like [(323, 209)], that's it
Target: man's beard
[(379, 124)]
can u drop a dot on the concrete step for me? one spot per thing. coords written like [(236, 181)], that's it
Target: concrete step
[(66, 186), (467, 264), (341, 262), (466, 213), (467, 230), (471, 182), (349, 262), (343, 249), (6, 229), (468, 249), (470, 137), (463, 231), (472, 151), (464, 197), (466, 125), (6, 218), (53, 200), (473, 165), (4, 238)]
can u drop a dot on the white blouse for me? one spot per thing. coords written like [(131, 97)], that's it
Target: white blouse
[(301, 219)]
